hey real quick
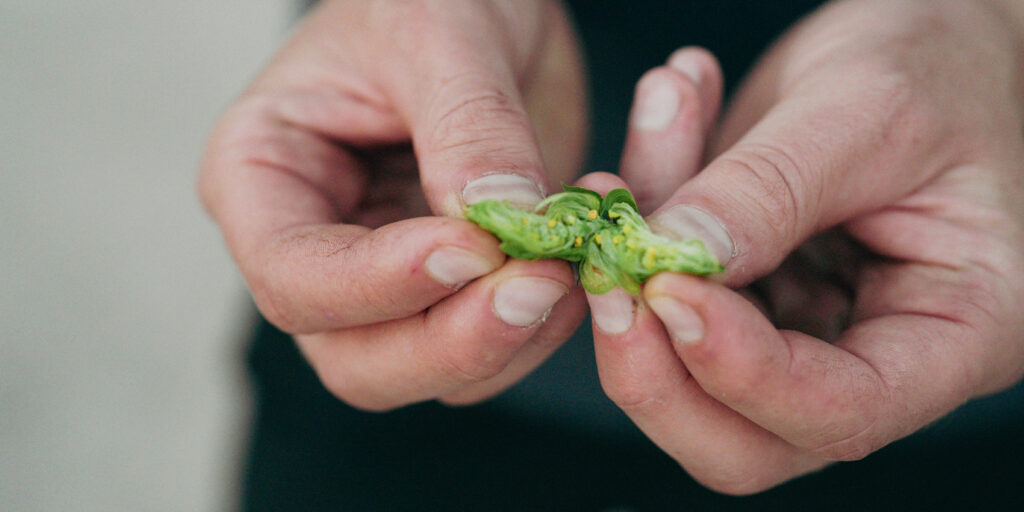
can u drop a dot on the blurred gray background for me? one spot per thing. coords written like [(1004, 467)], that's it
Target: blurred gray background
[(121, 315)]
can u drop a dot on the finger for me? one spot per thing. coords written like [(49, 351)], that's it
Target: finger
[(808, 164), (612, 312), (642, 374), (563, 320), (472, 135), (674, 108), (308, 273), (878, 383), (466, 339), (702, 68), (319, 277)]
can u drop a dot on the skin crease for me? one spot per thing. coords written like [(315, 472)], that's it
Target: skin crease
[(868, 172)]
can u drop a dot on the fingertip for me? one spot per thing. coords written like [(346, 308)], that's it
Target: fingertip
[(679, 301), (701, 67), (600, 182), (637, 366), (453, 266), (682, 321), (519, 190), (530, 291), (667, 131), (613, 312), (664, 98), (688, 221), (680, 286), (725, 341), (446, 242), (703, 318), (696, 62)]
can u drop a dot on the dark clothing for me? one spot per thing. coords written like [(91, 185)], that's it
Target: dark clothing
[(554, 441)]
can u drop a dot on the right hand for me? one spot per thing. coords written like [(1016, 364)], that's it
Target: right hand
[(374, 116)]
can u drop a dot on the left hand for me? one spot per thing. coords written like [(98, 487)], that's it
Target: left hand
[(899, 124)]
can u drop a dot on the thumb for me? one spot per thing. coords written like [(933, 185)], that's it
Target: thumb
[(474, 141), (806, 166), (465, 110)]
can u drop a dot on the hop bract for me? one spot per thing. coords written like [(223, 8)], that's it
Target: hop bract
[(606, 236)]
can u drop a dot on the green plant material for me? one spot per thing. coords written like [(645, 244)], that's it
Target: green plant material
[(606, 236)]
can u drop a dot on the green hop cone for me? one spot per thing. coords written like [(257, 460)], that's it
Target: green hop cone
[(606, 236)]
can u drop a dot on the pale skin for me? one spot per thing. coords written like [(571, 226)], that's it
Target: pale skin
[(894, 126)]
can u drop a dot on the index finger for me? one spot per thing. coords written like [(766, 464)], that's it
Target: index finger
[(470, 123), (279, 193)]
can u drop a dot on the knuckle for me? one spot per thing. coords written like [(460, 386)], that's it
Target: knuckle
[(343, 389), (903, 111), (778, 187), (471, 112), (471, 365), (227, 144), (739, 377)]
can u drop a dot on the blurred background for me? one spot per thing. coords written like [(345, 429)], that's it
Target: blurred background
[(121, 315)]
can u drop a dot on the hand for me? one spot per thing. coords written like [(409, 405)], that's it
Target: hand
[(376, 114), (899, 125)]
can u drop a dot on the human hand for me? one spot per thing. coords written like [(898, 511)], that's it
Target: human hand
[(898, 123), (374, 115)]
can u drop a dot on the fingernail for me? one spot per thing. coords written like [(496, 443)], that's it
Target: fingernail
[(454, 266), (682, 221), (656, 104), (516, 189), (524, 301), (685, 62), (613, 312), (684, 325)]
